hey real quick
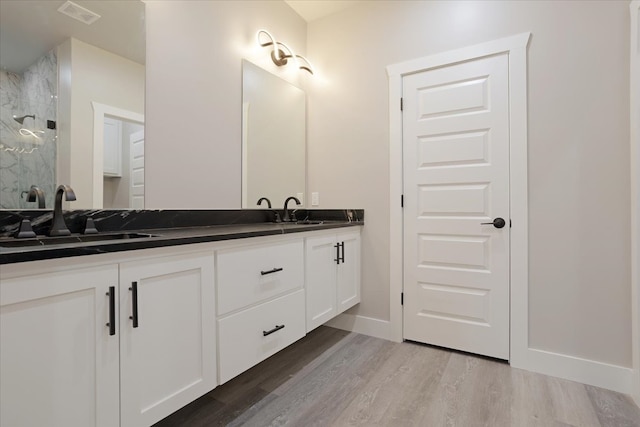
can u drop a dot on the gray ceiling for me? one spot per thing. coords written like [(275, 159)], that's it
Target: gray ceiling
[(30, 28)]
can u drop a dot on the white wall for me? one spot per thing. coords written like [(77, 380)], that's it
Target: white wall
[(194, 98), (90, 74), (578, 134), (635, 190), (578, 149)]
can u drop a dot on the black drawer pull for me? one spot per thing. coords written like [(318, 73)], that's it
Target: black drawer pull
[(134, 303), (275, 270), (112, 310), (337, 258), (276, 329), (342, 246)]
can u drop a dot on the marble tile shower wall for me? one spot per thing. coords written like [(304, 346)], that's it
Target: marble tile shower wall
[(26, 160)]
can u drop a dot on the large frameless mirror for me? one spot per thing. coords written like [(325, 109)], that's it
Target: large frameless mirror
[(72, 101), (273, 138)]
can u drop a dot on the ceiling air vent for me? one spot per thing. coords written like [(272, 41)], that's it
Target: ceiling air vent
[(78, 12)]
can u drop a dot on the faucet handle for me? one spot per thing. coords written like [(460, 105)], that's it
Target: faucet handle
[(90, 227), (25, 230)]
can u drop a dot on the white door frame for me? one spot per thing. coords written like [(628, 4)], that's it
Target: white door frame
[(635, 193), (99, 111), (516, 48)]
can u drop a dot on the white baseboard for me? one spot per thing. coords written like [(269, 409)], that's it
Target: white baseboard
[(604, 375), (362, 325), (636, 386)]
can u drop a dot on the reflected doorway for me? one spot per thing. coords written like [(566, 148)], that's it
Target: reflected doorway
[(123, 172), (118, 179)]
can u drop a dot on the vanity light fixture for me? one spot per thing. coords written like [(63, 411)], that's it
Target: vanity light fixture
[(281, 53)]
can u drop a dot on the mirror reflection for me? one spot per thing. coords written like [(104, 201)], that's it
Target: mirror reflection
[(68, 70), (273, 138)]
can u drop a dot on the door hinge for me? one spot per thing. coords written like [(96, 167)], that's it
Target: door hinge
[(401, 104), (401, 298), (402, 200)]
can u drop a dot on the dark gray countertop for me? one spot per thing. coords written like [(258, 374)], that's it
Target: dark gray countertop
[(161, 237)]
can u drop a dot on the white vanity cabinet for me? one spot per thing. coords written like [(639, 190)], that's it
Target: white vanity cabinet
[(62, 363), (332, 273), (167, 335), (261, 302), (59, 365), (127, 338)]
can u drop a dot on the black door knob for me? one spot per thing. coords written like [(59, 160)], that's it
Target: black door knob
[(497, 223)]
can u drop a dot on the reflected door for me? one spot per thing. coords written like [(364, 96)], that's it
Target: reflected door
[(136, 191)]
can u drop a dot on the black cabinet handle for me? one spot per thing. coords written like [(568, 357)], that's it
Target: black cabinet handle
[(276, 329), (275, 270), (497, 223), (337, 259), (134, 303), (112, 310), (342, 246)]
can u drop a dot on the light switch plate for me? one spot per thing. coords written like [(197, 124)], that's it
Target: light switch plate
[(315, 199)]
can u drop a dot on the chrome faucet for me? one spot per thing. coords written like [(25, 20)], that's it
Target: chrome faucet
[(285, 214), (58, 226), (36, 194)]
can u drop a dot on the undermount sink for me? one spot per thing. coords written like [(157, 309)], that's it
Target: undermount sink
[(307, 222), (64, 240)]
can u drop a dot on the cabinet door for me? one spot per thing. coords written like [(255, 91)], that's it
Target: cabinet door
[(348, 272), (58, 362), (169, 358), (320, 275)]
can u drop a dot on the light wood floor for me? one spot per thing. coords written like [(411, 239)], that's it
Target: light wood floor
[(336, 378)]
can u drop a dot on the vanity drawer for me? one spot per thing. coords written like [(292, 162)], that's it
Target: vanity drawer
[(250, 336), (250, 275)]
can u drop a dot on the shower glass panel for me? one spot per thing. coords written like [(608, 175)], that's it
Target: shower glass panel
[(28, 149)]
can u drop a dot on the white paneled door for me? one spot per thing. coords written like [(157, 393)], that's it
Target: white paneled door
[(456, 197), (136, 192)]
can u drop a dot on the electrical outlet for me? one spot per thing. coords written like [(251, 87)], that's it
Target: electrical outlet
[(315, 199)]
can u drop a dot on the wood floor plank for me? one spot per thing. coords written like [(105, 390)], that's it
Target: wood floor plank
[(472, 391), (343, 392), (488, 396), (278, 371), (400, 386), (531, 404), (337, 378), (613, 409), (417, 384), (334, 372), (301, 366), (571, 404), (199, 413)]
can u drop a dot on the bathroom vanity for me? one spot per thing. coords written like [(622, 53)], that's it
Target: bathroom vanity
[(118, 336)]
